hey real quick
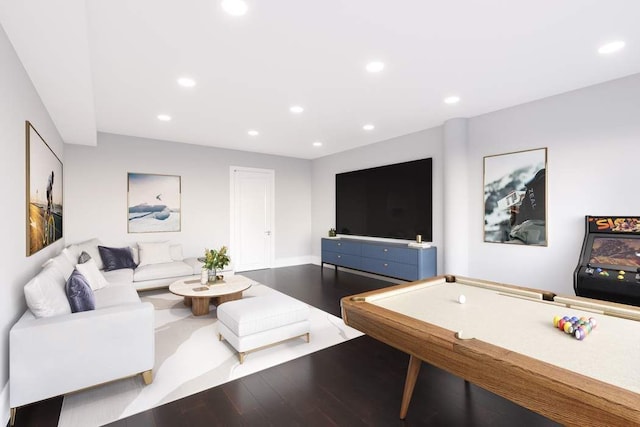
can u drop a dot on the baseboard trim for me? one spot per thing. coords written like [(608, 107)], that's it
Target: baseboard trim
[(290, 262)]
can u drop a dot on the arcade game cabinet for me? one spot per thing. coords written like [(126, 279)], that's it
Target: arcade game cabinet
[(609, 266)]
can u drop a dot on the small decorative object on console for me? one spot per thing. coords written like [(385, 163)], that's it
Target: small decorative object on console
[(332, 232)]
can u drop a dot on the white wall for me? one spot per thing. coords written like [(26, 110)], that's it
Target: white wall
[(18, 102), (96, 185), (419, 145), (593, 141)]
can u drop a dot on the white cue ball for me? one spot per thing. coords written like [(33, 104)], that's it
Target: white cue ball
[(462, 299)]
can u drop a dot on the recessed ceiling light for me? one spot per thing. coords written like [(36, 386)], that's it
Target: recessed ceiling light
[(234, 7), (317, 144), (164, 117), (253, 132), (186, 82), (611, 47), (296, 109), (452, 100), (368, 127), (375, 66)]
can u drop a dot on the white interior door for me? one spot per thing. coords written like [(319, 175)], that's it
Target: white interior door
[(252, 238)]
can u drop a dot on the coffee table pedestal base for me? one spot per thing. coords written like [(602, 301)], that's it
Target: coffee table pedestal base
[(200, 305)]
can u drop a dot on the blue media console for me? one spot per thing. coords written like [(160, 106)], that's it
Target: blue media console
[(395, 260)]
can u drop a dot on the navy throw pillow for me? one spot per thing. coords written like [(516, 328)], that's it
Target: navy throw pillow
[(116, 258), (79, 293)]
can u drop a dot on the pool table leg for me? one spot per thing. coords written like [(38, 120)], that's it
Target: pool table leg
[(409, 384)]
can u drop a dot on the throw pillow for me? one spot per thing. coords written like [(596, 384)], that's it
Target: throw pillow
[(116, 258), (176, 252), (45, 293), (72, 253), (62, 264), (84, 257), (91, 247), (154, 253), (79, 293), (90, 272)]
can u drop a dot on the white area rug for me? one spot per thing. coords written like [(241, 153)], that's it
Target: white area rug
[(190, 359)]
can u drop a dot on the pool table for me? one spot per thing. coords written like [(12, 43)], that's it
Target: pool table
[(501, 337)]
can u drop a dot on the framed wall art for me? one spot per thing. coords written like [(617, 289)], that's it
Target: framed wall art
[(44, 192), (515, 205), (153, 203)]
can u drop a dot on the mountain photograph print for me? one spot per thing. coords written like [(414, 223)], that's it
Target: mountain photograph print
[(153, 203), (515, 198), (44, 192)]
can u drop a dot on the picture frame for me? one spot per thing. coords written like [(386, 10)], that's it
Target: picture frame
[(153, 203), (44, 192), (515, 203)]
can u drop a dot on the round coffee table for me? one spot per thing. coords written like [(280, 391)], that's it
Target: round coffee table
[(199, 297)]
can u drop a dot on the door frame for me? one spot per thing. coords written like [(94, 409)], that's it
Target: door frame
[(233, 238)]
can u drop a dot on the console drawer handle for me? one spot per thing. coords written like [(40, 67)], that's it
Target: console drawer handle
[(386, 265), (339, 256), (385, 250)]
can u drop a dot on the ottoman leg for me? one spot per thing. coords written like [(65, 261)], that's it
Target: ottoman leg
[(241, 356), (308, 337)]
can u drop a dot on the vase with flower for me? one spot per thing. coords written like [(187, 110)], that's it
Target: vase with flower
[(215, 260)]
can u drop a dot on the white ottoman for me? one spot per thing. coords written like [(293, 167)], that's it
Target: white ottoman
[(254, 323)]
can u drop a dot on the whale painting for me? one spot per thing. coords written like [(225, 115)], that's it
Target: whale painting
[(153, 203)]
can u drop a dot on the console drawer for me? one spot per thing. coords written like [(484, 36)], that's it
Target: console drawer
[(341, 246), (390, 253), (342, 260), (390, 268)]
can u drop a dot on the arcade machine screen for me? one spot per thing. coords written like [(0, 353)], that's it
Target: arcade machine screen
[(615, 253), (609, 266)]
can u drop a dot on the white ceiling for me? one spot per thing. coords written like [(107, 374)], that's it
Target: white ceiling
[(111, 66)]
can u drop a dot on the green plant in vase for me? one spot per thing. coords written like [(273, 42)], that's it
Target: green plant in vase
[(215, 260)]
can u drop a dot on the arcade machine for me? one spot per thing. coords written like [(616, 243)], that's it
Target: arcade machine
[(609, 266)]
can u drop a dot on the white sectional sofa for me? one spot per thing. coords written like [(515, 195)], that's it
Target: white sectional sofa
[(164, 264), (54, 351)]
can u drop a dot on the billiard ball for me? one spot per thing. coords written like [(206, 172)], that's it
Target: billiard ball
[(462, 299)]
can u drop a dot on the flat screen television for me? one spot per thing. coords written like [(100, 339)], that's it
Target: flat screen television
[(392, 201)]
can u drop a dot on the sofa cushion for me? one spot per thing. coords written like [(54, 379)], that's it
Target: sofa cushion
[(45, 293), (115, 295), (91, 247), (79, 293), (116, 258), (154, 253), (123, 276), (62, 264), (94, 277), (72, 252), (176, 252), (134, 252), (161, 271)]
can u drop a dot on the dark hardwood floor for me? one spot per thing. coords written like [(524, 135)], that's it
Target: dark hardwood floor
[(357, 383)]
